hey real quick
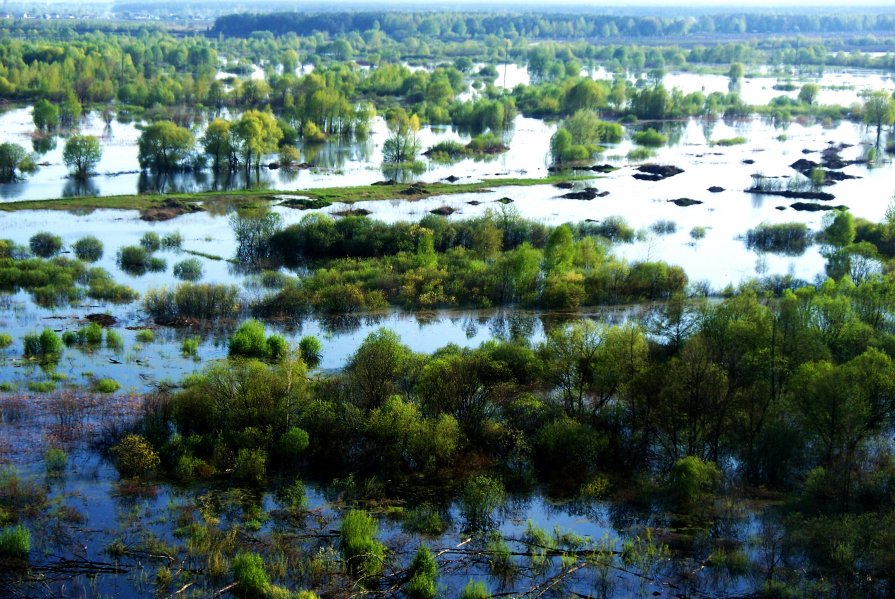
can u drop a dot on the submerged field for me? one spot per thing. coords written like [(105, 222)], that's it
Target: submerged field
[(660, 369)]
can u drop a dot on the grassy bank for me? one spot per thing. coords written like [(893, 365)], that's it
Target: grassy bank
[(158, 206)]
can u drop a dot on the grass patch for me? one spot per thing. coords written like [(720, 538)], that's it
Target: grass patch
[(730, 141), (146, 204)]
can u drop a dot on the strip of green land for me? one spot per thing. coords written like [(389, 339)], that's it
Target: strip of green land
[(149, 204)]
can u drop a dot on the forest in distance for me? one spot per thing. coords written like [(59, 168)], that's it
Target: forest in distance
[(415, 303)]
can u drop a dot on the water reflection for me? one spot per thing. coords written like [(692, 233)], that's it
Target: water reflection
[(77, 187)]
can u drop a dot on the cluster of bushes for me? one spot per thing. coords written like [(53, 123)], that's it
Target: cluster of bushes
[(203, 301), (486, 144), (58, 280), (791, 239)]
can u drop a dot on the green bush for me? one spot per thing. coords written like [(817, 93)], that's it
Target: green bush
[(55, 461), (480, 497), (156, 264), (151, 242), (475, 590), (172, 241), (249, 575), (133, 259), (114, 341), (15, 542), (293, 443), (692, 482), (88, 249), (5, 340), (277, 347), (248, 340), (190, 346), (251, 466), (311, 350), (145, 336), (193, 300), (423, 570), (106, 386), (731, 141), (650, 138), (45, 245), (188, 270), (136, 456), (363, 554), (46, 345)]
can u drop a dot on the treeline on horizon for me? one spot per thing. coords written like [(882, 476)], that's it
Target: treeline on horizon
[(457, 25)]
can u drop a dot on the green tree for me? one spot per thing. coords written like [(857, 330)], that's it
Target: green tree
[(45, 115), (879, 111), (809, 92), (839, 228), (257, 133), (13, 159), (218, 143), (403, 144), (164, 145), (81, 154)]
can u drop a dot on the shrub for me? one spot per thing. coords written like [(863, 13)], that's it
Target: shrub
[(101, 286), (151, 242), (145, 336), (311, 350), (193, 300), (133, 259), (249, 575), (277, 347), (250, 466), (731, 141), (422, 572), (114, 341), (650, 138), (106, 386), (190, 346), (156, 264), (172, 240), (475, 590), (248, 340), (55, 461), (363, 554), (567, 448), (45, 245), (480, 497), (88, 249), (15, 542), (293, 443), (790, 239), (5, 340), (136, 456), (698, 232), (692, 481), (188, 270), (45, 345)]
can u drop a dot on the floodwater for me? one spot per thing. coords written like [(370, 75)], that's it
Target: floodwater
[(720, 258)]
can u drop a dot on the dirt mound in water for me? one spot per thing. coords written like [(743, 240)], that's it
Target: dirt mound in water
[(105, 320), (415, 190), (353, 212), (386, 182), (656, 172), (811, 207), (588, 193), (444, 211), (168, 209), (716, 189), (684, 202)]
